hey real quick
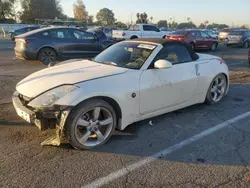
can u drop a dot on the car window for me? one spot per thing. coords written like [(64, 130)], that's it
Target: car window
[(46, 33), (127, 55), (175, 53), (62, 34), (195, 33), (80, 35), (150, 28), (134, 28), (204, 35)]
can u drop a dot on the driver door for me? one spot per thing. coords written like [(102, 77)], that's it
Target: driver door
[(165, 88)]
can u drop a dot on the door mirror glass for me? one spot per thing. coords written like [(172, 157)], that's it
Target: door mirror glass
[(162, 64)]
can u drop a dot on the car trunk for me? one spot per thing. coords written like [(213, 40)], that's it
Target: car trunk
[(176, 37), (117, 34)]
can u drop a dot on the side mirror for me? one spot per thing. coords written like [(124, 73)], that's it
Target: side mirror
[(162, 64)]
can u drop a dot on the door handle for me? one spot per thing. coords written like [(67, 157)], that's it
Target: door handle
[(197, 69)]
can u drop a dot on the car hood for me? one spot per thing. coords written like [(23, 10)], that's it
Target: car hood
[(68, 73)]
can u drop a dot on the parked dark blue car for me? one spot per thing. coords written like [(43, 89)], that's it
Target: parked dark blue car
[(22, 31), (53, 43)]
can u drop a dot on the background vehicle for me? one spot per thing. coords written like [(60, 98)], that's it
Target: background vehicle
[(49, 44), (223, 34), (89, 98), (241, 37), (139, 31), (211, 33), (22, 31), (198, 39)]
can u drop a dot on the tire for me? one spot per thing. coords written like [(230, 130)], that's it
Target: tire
[(83, 112), (12, 37), (134, 37), (210, 99), (228, 45), (214, 46), (192, 46), (246, 44), (47, 55), (164, 37)]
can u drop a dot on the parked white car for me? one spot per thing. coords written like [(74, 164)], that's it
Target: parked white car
[(128, 82), (139, 31)]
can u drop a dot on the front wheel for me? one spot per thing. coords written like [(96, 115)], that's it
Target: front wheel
[(91, 124), (217, 89), (214, 47)]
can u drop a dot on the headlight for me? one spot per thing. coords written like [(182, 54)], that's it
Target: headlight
[(48, 98)]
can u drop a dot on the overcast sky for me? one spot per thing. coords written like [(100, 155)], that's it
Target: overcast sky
[(218, 11)]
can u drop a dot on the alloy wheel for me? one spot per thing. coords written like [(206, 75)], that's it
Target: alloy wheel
[(218, 88), (47, 57), (94, 126)]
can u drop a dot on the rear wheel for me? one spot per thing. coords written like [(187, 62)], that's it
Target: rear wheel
[(193, 46), (217, 89), (246, 44), (91, 124), (12, 37), (47, 55)]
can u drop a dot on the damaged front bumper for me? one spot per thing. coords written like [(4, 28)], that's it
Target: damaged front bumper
[(53, 118)]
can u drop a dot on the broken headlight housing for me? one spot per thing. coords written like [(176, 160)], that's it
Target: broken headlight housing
[(48, 98)]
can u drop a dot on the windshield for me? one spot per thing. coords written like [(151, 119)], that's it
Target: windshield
[(129, 55)]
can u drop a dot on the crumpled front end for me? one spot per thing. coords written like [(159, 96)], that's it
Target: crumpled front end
[(44, 118)]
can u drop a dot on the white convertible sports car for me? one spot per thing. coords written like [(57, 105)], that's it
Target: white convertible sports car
[(128, 82)]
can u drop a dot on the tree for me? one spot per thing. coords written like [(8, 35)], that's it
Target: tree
[(121, 25), (90, 20), (106, 17), (173, 24), (142, 18), (188, 25), (202, 26), (6, 8), (80, 12), (162, 23), (221, 26), (243, 27), (151, 19), (40, 9)]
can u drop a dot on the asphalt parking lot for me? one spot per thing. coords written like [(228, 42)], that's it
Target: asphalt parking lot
[(199, 146)]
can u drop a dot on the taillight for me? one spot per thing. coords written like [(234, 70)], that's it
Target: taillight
[(168, 37), (123, 34), (27, 41)]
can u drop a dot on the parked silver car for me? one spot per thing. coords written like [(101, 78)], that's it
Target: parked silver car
[(241, 38), (223, 35)]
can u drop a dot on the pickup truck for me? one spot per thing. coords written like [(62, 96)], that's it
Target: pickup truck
[(139, 31)]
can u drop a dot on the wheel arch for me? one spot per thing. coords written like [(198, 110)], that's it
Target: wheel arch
[(110, 101), (134, 37)]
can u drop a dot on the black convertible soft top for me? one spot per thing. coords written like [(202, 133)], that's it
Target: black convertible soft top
[(165, 42)]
